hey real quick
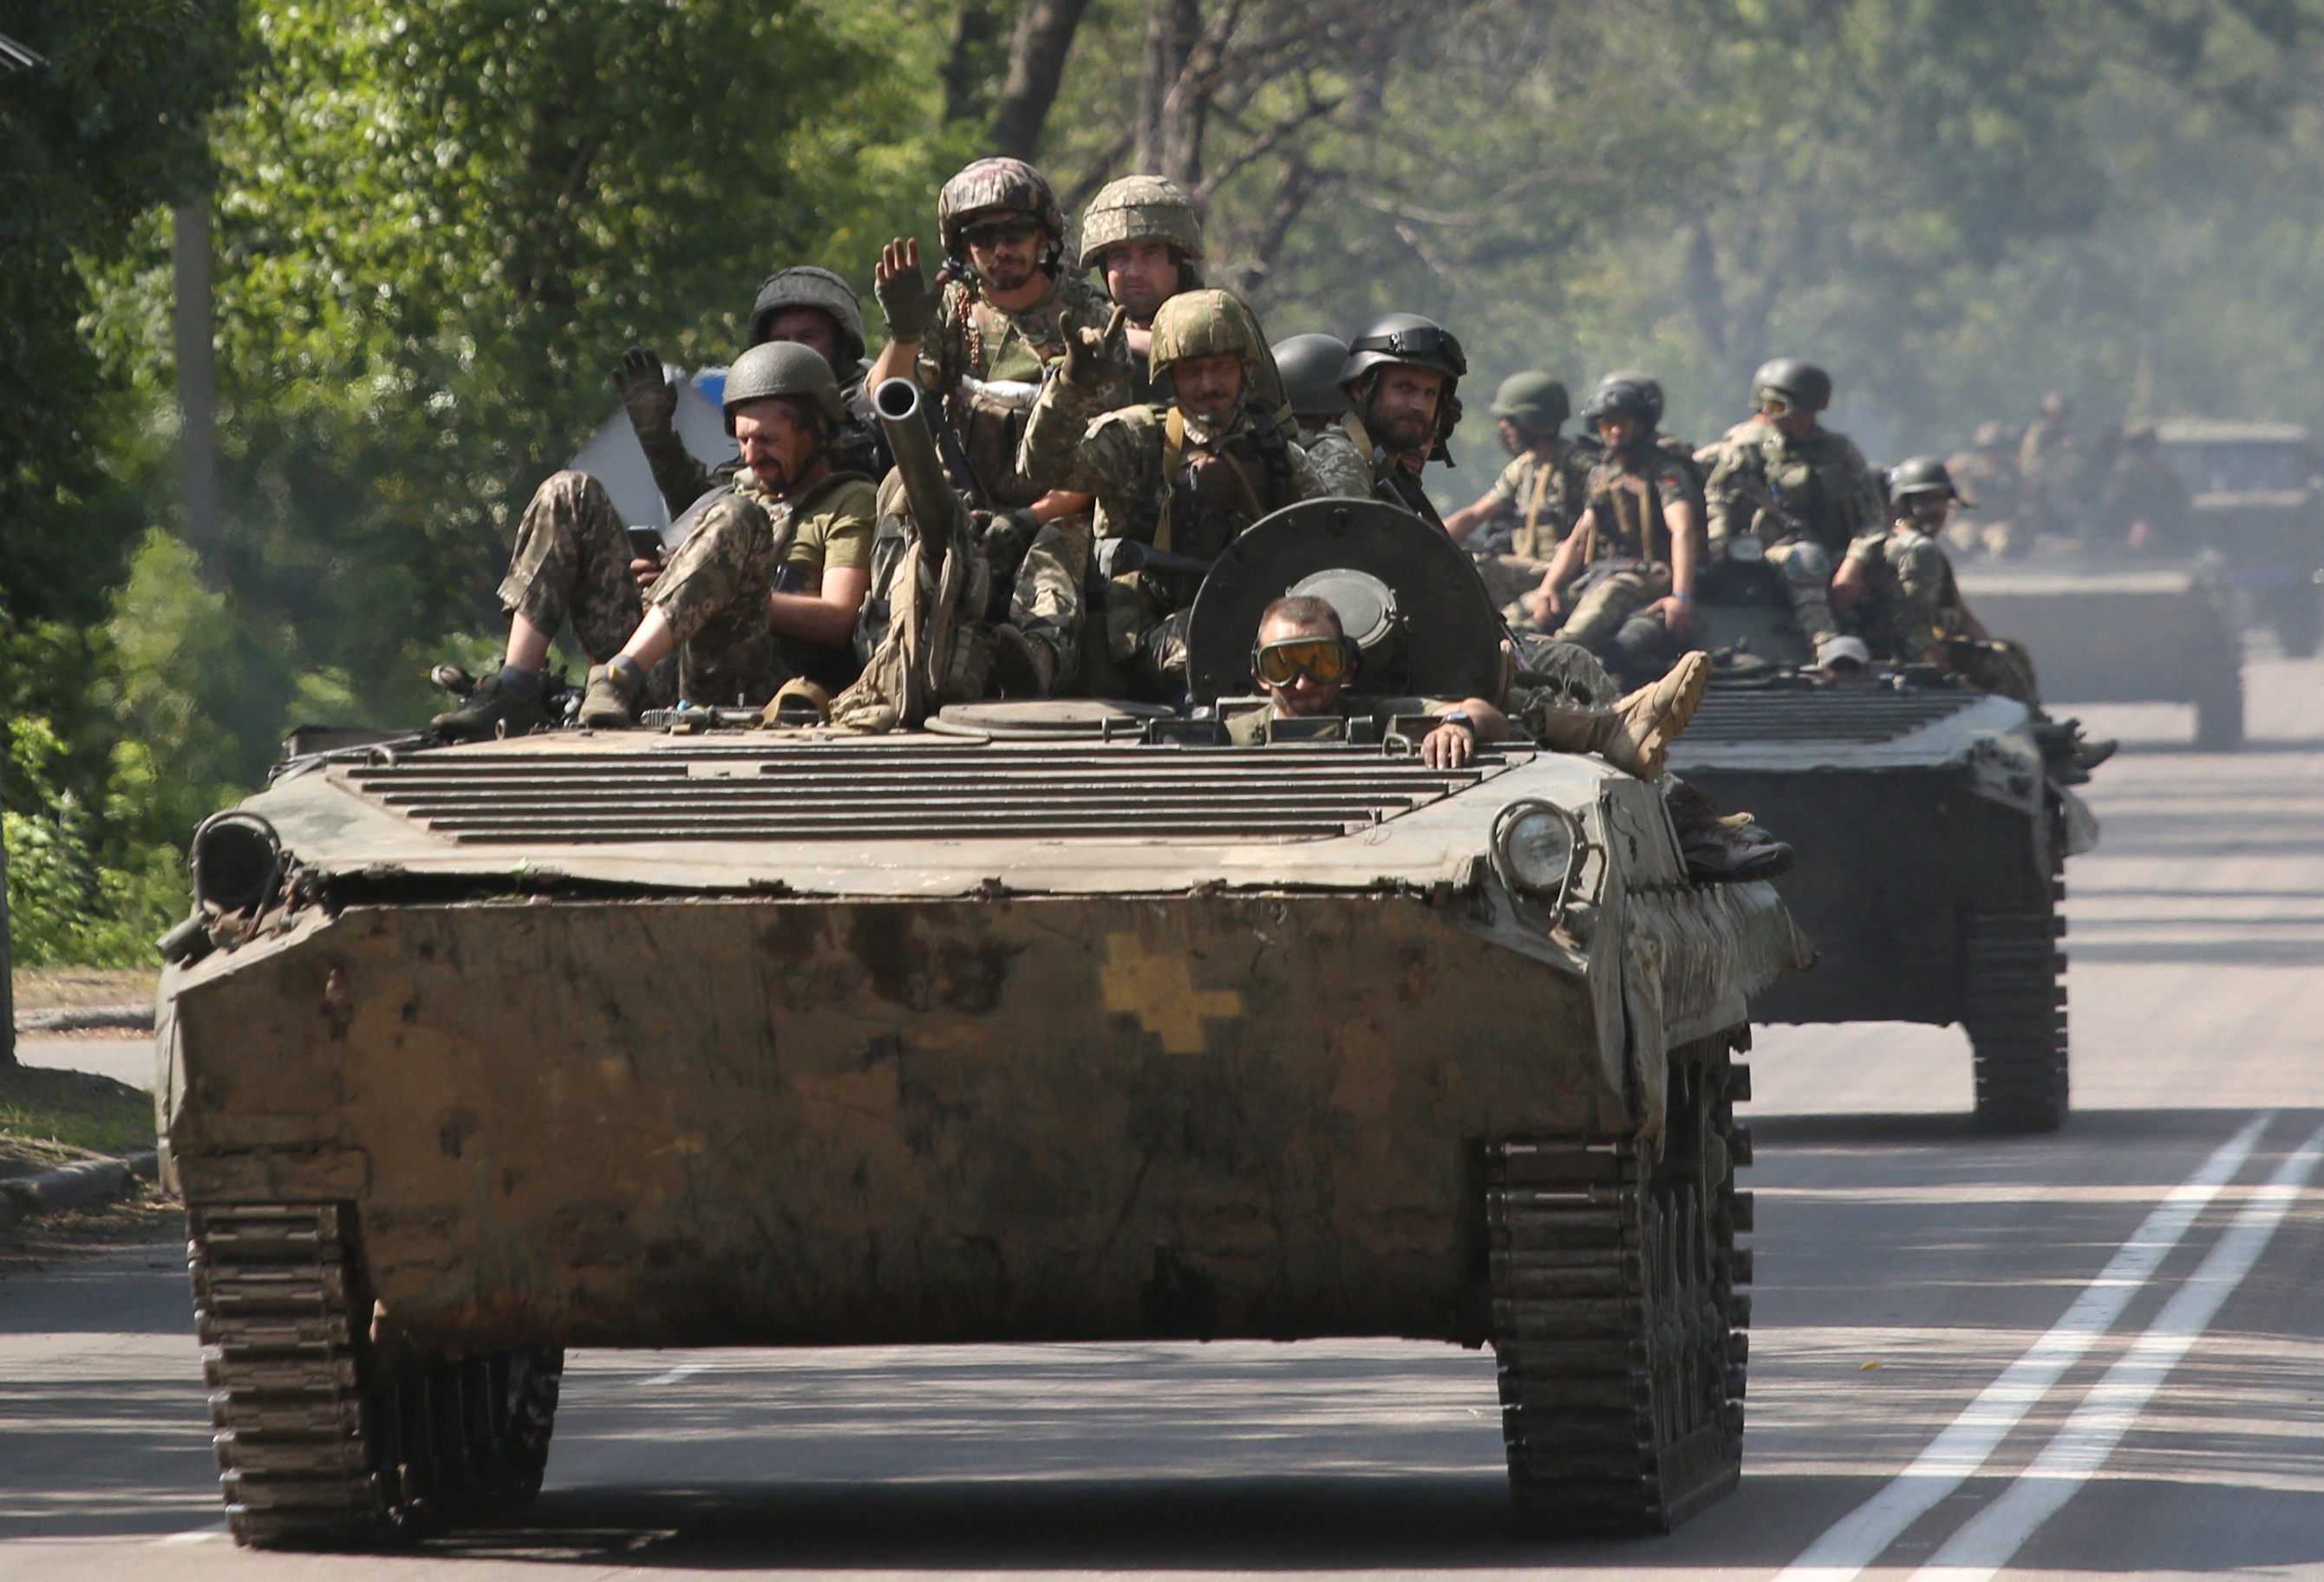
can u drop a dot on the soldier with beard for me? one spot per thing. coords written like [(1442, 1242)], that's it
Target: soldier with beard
[(979, 340), (1176, 482), (1402, 377)]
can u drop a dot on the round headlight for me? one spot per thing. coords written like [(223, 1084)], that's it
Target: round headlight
[(1538, 848)]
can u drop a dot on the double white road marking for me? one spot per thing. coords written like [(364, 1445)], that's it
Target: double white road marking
[(1985, 1543)]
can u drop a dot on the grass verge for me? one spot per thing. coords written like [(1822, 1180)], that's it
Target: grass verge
[(48, 1116)]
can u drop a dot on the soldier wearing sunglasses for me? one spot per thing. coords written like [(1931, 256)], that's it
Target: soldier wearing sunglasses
[(1804, 491), (979, 340)]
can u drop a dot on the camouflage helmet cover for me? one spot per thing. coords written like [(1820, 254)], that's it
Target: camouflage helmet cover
[(995, 186), (1141, 209), (1534, 402), (781, 368), (1311, 375), (1208, 323), (806, 286), (1803, 383), (1650, 386)]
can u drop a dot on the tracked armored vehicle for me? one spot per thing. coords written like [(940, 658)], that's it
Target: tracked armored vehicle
[(2110, 629), (1930, 869), (1055, 1023)]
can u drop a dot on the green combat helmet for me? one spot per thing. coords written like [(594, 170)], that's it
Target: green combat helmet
[(1803, 384), (1649, 385), (782, 368), (1207, 323), (1310, 365), (1533, 400), (1923, 474), (1141, 209), (807, 286)]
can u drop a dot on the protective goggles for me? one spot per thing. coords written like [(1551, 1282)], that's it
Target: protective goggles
[(1418, 346), (1773, 405), (1320, 659), (995, 233)]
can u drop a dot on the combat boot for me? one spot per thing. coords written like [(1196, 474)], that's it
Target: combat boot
[(1023, 666), (611, 703), (1730, 849), (504, 705), (1645, 724)]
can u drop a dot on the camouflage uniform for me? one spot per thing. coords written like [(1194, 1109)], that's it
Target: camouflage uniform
[(713, 591), (1913, 614), (1534, 502), (1223, 482), (985, 365), (1629, 566), (1348, 465), (572, 564), (1821, 480), (2144, 487)]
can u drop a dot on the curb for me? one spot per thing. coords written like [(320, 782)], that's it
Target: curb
[(82, 1184), (87, 1019)]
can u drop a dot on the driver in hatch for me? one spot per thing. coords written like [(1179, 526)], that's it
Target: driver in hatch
[(1304, 661)]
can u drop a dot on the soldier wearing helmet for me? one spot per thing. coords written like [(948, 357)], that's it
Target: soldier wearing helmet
[(1538, 496), (1176, 481), (1142, 237), (1402, 376), (979, 340), (810, 306), (1622, 582), (1997, 524), (1804, 491), (767, 571), (1309, 365)]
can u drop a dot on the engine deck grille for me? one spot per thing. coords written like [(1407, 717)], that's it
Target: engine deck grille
[(1870, 715), (896, 791)]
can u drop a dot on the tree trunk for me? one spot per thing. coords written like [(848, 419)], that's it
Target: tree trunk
[(972, 33), (1172, 26), (1037, 65), (7, 953)]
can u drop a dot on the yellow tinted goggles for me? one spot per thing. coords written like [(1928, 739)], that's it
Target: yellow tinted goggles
[(1324, 659)]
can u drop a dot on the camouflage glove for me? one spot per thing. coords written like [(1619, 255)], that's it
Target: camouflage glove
[(649, 396), (907, 301), (1095, 358)]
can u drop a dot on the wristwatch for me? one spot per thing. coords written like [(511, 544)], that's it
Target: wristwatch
[(1460, 719)]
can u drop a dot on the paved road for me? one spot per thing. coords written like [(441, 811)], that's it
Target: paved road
[(2097, 1351)]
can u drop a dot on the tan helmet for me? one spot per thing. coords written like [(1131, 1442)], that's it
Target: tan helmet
[(1141, 209), (1207, 323)]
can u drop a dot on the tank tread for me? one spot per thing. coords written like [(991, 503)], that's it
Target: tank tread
[(324, 1439), (1615, 1321), (2014, 1012)]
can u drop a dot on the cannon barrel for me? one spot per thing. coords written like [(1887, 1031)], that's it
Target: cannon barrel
[(936, 508)]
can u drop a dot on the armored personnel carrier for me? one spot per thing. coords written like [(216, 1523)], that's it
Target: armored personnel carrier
[(2256, 507), (1053, 1022), (2105, 629)]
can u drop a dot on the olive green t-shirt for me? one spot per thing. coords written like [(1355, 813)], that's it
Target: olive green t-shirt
[(831, 523)]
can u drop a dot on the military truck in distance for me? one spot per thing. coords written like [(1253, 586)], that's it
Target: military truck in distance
[(1057, 1022), (2257, 506)]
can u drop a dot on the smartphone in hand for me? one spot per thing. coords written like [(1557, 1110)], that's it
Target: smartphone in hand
[(645, 544)]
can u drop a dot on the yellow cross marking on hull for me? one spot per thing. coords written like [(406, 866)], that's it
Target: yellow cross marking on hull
[(1160, 992)]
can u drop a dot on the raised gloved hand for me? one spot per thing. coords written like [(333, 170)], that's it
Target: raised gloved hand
[(1007, 535), (646, 392), (907, 301), (1095, 358)]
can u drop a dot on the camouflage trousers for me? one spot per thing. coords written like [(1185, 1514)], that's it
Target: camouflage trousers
[(1610, 599), (572, 565), (1146, 635), (714, 595), (1807, 577), (1507, 579), (1045, 601), (2002, 666)]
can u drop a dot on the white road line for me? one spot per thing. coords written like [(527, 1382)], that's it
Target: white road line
[(674, 1374), (1985, 1542), (1860, 1537)]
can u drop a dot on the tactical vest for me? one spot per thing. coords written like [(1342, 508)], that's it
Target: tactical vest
[(1813, 485), (1629, 525), (1214, 494), (1391, 480), (994, 400)]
